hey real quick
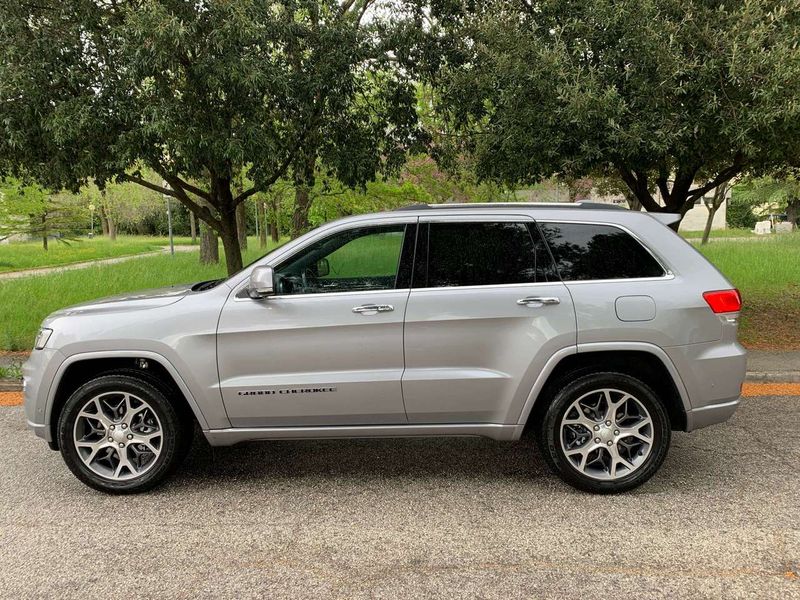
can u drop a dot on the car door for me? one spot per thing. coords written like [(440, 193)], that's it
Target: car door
[(327, 349), (486, 312)]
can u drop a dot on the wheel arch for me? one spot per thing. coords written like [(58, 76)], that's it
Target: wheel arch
[(149, 366), (641, 360)]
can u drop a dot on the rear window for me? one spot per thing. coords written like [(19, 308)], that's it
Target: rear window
[(584, 251), (475, 253)]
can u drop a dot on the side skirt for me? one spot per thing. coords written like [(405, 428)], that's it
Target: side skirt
[(228, 437)]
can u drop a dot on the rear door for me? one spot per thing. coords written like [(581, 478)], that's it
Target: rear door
[(485, 313)]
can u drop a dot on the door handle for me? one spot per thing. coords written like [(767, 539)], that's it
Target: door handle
[(373, 308), (538, 301)]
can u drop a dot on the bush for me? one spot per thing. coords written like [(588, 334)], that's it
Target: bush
[(740, 214)]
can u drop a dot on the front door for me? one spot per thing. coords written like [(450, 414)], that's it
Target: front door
[(327, 349), (485, 313)]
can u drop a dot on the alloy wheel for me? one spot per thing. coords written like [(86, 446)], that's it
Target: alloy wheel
[(606, 434), (118, 435)]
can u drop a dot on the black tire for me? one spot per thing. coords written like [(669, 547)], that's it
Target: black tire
[(175, 443), (549, 435)]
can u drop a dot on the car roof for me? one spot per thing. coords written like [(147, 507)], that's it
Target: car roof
[(514, 205)]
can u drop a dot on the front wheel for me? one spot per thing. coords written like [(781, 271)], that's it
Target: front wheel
[(605, 433), (120, 434)]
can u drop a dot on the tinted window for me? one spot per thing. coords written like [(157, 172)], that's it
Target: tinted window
[(585, 251), (366, 258), (482, 254)]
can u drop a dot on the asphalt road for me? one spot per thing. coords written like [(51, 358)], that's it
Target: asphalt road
[(412, 518)]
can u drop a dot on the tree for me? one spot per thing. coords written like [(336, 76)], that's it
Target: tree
[(33, 211), (672, 96), (778, 191), (198, 93), (712, 205)]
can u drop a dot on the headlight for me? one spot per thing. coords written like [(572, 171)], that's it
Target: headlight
[(42, 337)]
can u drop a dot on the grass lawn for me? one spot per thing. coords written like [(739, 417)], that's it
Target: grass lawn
[(25, 302), (18, 256), (767, 273), (768, 276), (719, 233)]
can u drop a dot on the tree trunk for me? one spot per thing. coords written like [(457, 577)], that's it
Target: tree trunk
[(112, 228), (274, 230), (302, 204), (303, 183), (713, 206), (261, 212), (103, 220), (634, 203), (193, 227), (209, 245), (241, 225), (232, 248), (44, 231), (709, 221), (223, 200), (793, 211)]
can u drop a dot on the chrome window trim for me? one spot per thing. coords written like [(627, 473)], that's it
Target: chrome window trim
[(668, 272), (487, 286), (240, 296), (477, 218)]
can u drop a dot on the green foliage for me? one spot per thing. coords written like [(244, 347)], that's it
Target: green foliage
[(739, 213), (30, 210), (201, 93), (776, 193), (661, 93)]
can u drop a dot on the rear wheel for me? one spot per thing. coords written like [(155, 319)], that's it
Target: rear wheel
[(120, 434), (605, 432)]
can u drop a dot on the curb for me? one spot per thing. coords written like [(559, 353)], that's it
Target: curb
[(773, 377), (10, 385)]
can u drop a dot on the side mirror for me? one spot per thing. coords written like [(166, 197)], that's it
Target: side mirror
[(323, 267), (262, 282)]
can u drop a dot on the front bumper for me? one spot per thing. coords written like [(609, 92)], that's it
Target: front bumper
[(38, 373)]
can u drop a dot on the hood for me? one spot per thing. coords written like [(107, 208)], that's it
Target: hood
[(126, 302)]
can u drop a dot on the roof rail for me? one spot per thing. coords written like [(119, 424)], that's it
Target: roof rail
[(569, 205)]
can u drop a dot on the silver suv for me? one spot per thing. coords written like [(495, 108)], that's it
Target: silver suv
[(596, 329)]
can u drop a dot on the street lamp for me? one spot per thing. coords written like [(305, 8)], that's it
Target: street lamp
[(91, 212), (169, 220)]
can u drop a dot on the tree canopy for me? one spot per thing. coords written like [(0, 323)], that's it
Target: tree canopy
[(670, 95), (200, 92)]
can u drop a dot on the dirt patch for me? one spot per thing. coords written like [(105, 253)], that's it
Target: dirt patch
[(771, 323)]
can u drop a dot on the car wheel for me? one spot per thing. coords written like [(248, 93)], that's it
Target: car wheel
[(605, 433), (121, 435)]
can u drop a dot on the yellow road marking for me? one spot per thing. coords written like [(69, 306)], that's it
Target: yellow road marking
[(10, 398), (771, 389)]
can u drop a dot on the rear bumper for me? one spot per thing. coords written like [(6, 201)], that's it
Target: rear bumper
[(710, 415), (712, 374)]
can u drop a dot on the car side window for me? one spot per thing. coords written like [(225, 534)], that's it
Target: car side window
[(364, 258), (482, 253), (585, 251)]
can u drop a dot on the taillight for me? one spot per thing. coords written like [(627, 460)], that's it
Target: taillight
[(724, 301)]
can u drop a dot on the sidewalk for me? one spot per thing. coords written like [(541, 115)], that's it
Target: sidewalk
[(767, 366), (762, 367)]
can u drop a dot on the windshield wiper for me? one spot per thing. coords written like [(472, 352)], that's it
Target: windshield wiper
[(206, 285)]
